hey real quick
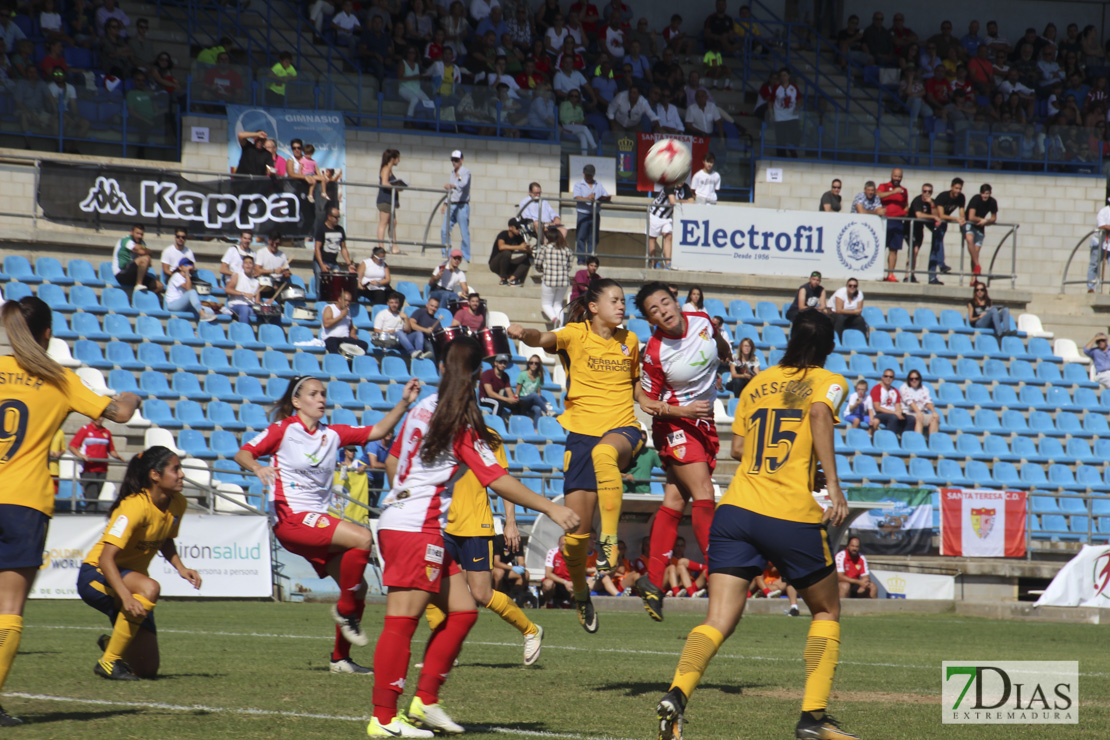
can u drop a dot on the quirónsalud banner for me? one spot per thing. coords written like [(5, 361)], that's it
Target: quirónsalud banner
[(1084, 581), (905, 529), (762, 241), (114, 198)]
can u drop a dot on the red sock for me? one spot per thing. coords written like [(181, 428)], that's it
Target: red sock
[(675, 591), (443, 647), (351, 568), (391, 665), (702, 517), (692, 590), (663, 534), (342, 650)]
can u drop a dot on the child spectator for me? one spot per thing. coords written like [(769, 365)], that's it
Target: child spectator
[(859, 408)]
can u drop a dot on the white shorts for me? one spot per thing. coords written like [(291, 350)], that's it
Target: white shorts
[(659, 226)]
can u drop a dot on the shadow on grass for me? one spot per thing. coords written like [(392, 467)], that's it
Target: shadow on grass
[(173, 676), (517, 664), (40, 652), (643, 688), (79, 716)]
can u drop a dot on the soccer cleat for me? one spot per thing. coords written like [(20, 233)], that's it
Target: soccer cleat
[(6, 720), (792, 611), (350, 627), (607, 555), (399, 727), (117, 671), (346, 665), (826, 728), (532, 646), (669, 712), (433, 717), (698, 594), (102, 642), (587, 617), (652, 596)]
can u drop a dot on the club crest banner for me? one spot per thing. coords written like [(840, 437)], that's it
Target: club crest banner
[(980, 523)]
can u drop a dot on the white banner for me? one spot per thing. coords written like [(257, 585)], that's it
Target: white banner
[(901, 585), (232, 554), (1084, 581), (762, 241)]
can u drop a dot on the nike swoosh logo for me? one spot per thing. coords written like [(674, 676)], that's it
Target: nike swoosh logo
[(478, 560), (390, 732)]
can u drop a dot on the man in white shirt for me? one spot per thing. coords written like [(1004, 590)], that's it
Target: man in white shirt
[(479, 9), (784, 110), (232, 261), (174, 253), (388, 324), (670, 120), (336, 327), (588, 193), (448, 281), (706, 182), (628, 109), (538, 213), (568, 79), (346, 26), (499, 77), (613, 37), (703, 118), (846, 308), (273, 262)]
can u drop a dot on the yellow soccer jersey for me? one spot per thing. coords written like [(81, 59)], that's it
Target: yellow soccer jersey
[(470, 514), (31, 412), (57, 444), (775, 477), (139, 529), (600, 377)]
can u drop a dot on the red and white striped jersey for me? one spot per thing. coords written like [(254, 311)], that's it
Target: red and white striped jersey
[(305, 461), (421, 493), (681, 370)]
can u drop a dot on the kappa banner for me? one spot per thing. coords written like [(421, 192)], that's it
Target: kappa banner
[(231, 553), (1083, 581), (699, 145), (762, 241), (116, 197), (905, 529), (980, 523)]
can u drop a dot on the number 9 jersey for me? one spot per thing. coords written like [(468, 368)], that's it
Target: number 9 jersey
[(775, 476)]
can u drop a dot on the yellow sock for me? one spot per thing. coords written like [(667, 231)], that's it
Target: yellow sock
[(123, 633), (434, 615), (575, 549), (701, 645), (11, 629), (503, 606), (610, 489), (821, 656)]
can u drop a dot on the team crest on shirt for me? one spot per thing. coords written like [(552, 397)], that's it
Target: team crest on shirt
[(624, 348), (432, 571), (704, 334), (679, 452)]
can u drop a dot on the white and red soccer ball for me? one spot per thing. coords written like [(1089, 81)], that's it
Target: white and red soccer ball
[(668, 162)]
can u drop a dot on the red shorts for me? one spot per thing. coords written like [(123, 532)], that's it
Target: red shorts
[(309, 535), (686, 441), (414, 560)]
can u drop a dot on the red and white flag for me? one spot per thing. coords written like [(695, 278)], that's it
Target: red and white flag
[(982, 524)]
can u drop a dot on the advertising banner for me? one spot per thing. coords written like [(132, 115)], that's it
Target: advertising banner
[(112, 197), (906, 529), (982, 524), (900, 585), (324, 129), (699, 145), (231, 553), (762, 241), (1083, 581)]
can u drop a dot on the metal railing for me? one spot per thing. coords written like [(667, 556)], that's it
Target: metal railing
[(1097, 265), (987, 274)]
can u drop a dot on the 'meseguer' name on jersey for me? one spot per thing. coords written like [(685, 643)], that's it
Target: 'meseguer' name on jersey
[(800, 389)]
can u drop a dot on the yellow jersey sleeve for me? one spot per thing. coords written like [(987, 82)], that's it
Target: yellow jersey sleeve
[(832, 391), (470, 514), (177, 508)]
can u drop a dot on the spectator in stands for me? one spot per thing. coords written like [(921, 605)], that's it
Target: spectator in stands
[(131, 262), (510, 256), (232, 261), (273, 263), (33, 102), (535, 213), (416, 339), (637, 477), (145, 117), (93, 445), (981, 71), (346, 26), (1100, 243), (555, 261), (449, 75), (894, 199), (64, 99), (115, 51), (110, 11), (529, 384), (917, 405), (556, 586), (982, 211), (282, 72), (390, 324), (81, 22), (472, 315), (878, 42), (903, 36), (457, 207), (851, 566), (177, 251), (667, 74), (830, 199), (920, 208), (684, 577), (868, 201), (703, 118), (1100, 356), (695, 300), (706, 182), (850, 41), (388, 197), (717, 31), (887, 405), (677, 40), (858, 410), (144, 46), (983, 314), (810, 295), (788, 128), (944, 41), (336, 327), (495, 392), (278, 167), (1019, 96), (253, 156), (572, 122), (912, 91), (448, 281), (744, 367), (641, 67), (243, 292), (55, 57), (846, 308), (568, 79), (949, 208), (583, 279), (331, 243), (627, 111), (223, 83), (375, 49), (670, 119), (374, 278), (181, 295), (612, 38)]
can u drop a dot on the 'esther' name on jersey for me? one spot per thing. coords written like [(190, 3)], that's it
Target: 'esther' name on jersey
[(801, 389), (21, 379)]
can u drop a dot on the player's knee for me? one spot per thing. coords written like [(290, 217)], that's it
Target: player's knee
[(604, 454), (150, 590)]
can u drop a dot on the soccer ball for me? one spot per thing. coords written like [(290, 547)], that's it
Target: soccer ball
[(668, 162)]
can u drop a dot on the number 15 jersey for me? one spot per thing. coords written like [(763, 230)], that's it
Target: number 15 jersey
[(775, 476)]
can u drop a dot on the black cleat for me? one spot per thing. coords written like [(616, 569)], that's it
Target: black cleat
[(669, 711), (607, 555), (792, 611), (826, 728), (6, 720), (350, 627), (117, 671), (102, 642), (587, 617), (652, 596)]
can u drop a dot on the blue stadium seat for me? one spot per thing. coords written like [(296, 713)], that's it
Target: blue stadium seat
[(1042, 422), (886, 362), (1100, 506), (55, 297), (1059, 398), (954, 321), (942, 369), (978, 396), (245, 361), (394, 368), (1068, 423), (154, 357), (880, 342), (1079, 527), (370, 394), (858, 440), (185, 358), (150, 329), (961, 345), (1032, 474), (1095, 424), (844, 470), (1026, 450), (914, 443), (498, 426), (250, 389), (1087, 399), (1020, 372), (213, 334), (187, 385), (996, 448), (921, 471), (366, 368), (1063, 478), (894, 469), (855, 341), (551, 430), (1049, 373), (194, 444), (987, 421), (1077, 375), (987, 344), (272, 336), (181, 331), (978, 473), (341, 395), (410, 292), (18, 268), (774, 337), (370, 417), (739, 310), (924, 318), (216, 361), (306, 364), (1014, 348), (1089, 477), (715, 307), (158, 413), (253, 415), (119, 327), (394, 393), (298, 335), (81, 296), (834, 363), (522, 428), (951, 473), (899, 318), (425, 371), (224, 444), (865, 468), (87, 326), (218, 386), (122, 381), (361, 316), (934, 344), (275, 363), (886, 442), (908, 344), (243, 336), (59, 327), (553, 456), (192, 415), (862, 365), (1042, 350), (17, 291), (969, 369), (525, 455), (82, 272), (1006, 396), (1041, 504), (1005, 474), (1080, 451), (969, 446), (1013, 422), (336, 366), (875, 318), (155, 384), (121, 355), (769, 313), (958, 420), (116, 301), (147, 303)]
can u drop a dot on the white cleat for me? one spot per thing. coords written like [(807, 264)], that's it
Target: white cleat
[(432, 717), (350, 627), (532, 646), (346, 665), (399, 727)]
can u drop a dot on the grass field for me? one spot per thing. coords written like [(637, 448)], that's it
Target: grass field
[(255, 670)]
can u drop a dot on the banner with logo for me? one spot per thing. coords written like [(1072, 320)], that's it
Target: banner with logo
[(1083, 581), (982, 524), (762, 241), (324, 129), (901, 585), (699, 146), (905, 529), (114, 198), (231, 553)]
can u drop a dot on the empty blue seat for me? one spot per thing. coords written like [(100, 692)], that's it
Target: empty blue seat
[(1006, 475), (987, 344), (996, 448), (880, 342), (1053, 525), (185, 359), (886, 441), (855, 341), (150, 329), (769, 313), (306, 364), (739, 310), (224, 444), (18, 267), (1077, 375), (858, 440), (17, 291), (862, 365), (1021, 371), (340, 394), (88, 352), (909, 344), (969, 446), (410, 292), (82, 272), (273, 337), (55, 297), (969, 369), (886, 362), (191, 414), (366, 368), (978, 473), (1026, 449), (425, 371), (216, 361), (1042, 422), (987, 421), (1079, 527), (188, 386), (1042, 350), (961, 345), (941, 368), (875, 318), (1063, 478), (865, 468), (147, 303), (370, 417), (245, 361), (213, 334), (1095, 424), (60, 328), (253, 416), (370, 394), (899, 318), (1013, 422), (526, 456), (1041, 504), (951, 473), (954, 321), (522, 428), (1089, 477), (82, 296), (87, 326), (1013, 348), (844, 470), (978, 395), (181, 331), (1087, 399), (934, 344), (551, 430), (299, 336), (914, 443), (924, 318), (243, 336), (895, 470), (1006, 396), (158, 413), (194, 444), (155, 384), (275, 363), (336, 366), (498, 426), (957, 420), (122, 381), (119, 327), (1059, 398), (116, 301), (1068, 423), (1049, 373), (251, 389), (121, 355), (217, 386), (154, 357), (1033, 474), (921, 470)]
